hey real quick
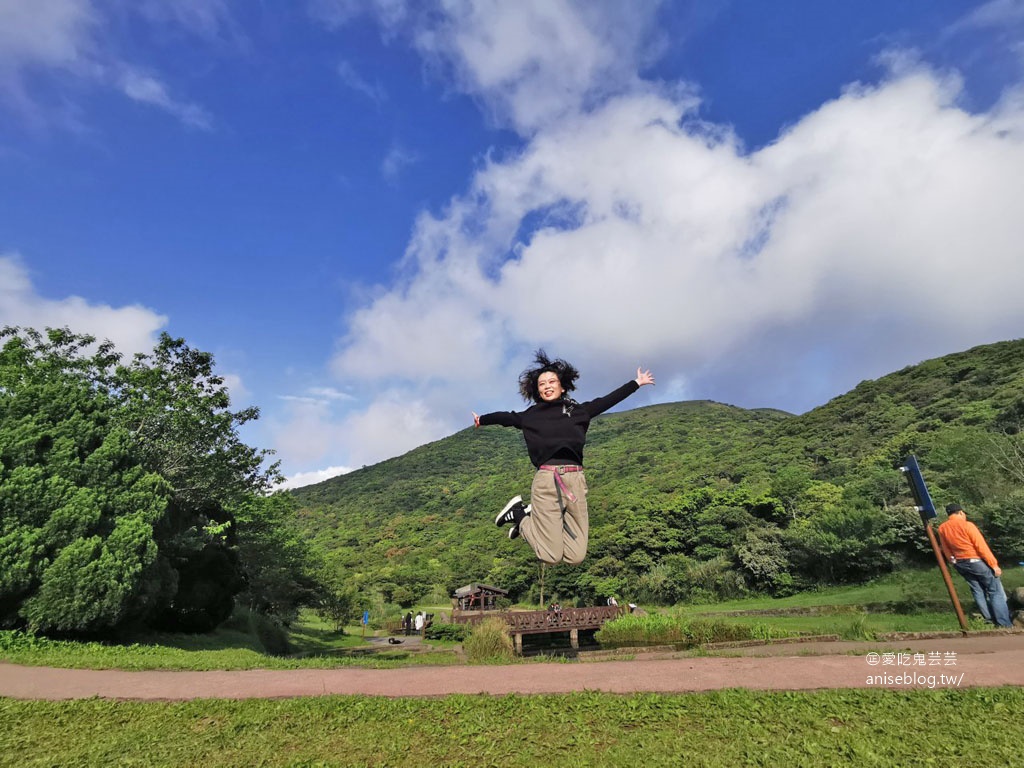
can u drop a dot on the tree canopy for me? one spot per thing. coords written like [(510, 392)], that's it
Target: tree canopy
[(119, 483)]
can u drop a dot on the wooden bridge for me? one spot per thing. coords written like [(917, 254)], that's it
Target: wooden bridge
[(570, 620)]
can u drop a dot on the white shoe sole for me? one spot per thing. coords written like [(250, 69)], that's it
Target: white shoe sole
[(512, 502), (513, 532)]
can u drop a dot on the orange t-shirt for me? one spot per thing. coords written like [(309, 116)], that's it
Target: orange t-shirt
[(962, 539)]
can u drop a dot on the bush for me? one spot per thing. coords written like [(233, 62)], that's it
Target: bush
[(489, 643), (455, 633), (270, 636)]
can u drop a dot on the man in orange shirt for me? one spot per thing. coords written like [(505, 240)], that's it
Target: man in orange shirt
[(969, 553)]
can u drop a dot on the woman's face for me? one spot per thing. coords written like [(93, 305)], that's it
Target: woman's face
[(549, 387)]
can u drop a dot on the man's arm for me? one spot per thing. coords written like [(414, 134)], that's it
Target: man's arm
[(944, 546), (982, 546)]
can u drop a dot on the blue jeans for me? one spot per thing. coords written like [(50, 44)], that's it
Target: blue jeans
[(987, 590)]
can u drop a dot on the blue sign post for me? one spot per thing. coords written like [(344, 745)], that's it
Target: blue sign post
[(919, 491), (918, 488)]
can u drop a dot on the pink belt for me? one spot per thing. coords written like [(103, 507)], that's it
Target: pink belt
[(559, 470)]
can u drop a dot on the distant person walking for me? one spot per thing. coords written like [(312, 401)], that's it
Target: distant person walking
[(968, 551), (555, 522)]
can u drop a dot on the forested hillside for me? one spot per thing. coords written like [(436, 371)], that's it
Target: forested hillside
[(699, 500)]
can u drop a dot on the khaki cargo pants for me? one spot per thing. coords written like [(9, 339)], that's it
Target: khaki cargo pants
[(557, 527)]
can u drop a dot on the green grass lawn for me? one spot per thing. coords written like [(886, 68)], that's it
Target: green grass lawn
[(317, 644), (918, 602), (723, 728), (925, 585)]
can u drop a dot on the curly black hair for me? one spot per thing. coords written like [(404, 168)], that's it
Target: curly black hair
[(566, 372)]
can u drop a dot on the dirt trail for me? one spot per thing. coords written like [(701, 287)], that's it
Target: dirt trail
[(976, 661)]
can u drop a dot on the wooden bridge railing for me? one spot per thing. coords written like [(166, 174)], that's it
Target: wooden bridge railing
[(570, 620)]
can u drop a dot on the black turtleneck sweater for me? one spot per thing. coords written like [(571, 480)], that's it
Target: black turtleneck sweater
[(555, 432)]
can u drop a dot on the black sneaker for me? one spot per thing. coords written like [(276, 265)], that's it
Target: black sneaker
[(512, 513), (513, 532)]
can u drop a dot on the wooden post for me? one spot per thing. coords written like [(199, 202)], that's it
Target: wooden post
[(937, 549), (542, 566), (926, 507)]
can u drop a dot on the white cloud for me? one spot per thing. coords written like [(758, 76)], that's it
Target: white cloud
[(535, 61), (45, 33), (208, 18), (236, 387), (353, 80), (998, 28), (395, 422), (337, 13), (300, 479), (72, 39), (531, 62), (330, 393), (396, 161), (318, 396), (131, 328), (305, 432), (312, 431), (995, 13), (147, 89), (879, 230)]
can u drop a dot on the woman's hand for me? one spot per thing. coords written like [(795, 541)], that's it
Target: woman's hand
[(476, 419), (643, 377)]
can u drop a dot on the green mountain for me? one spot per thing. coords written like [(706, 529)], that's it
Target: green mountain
[(698, 500)]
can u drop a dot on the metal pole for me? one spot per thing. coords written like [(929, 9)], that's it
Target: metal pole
[(937, 549)]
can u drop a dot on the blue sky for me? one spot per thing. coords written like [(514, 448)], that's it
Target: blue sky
[(372, 212)]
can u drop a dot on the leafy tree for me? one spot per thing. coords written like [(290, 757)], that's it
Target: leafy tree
[(178, 411), (77, 508), (764, 559), (788, 484), (338, 602), (279, 569), (115, 485), (1004, 527), (844, 544)]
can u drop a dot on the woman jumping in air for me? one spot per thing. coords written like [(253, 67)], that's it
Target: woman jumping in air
[(555, 523)]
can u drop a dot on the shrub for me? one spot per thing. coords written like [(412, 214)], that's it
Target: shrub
[(271, 635), (455, 633), (489, 643)]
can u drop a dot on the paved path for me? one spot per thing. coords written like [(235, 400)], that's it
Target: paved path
[(985, 661)]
